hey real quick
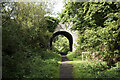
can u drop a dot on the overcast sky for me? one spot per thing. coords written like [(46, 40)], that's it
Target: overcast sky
[(58, 7)]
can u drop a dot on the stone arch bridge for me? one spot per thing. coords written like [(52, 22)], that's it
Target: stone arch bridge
[(64, 29)]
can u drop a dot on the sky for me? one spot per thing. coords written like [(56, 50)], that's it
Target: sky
[(58, 7)]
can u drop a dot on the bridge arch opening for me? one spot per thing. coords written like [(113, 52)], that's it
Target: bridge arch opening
[(66, 34)]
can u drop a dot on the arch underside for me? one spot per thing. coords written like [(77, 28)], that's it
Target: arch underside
[(66, 34)]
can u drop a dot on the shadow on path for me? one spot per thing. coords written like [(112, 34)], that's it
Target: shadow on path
[(66, 69)]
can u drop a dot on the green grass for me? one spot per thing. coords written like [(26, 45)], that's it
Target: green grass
[(85, 69), (43, 64), (48, 69), (72, 56)]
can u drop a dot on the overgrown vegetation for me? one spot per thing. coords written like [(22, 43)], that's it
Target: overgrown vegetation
[(27, 30), (91, 69), (98, 24), (25, 41), (31, 64)]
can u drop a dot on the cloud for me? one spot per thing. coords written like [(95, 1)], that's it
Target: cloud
[(58, 6)]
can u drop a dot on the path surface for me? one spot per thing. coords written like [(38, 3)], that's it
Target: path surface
[(66, 69)]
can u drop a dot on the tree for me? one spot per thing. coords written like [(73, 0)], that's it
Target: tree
[(98, 26)]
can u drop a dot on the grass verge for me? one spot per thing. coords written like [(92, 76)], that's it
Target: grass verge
[(32, 65), (91, 69)]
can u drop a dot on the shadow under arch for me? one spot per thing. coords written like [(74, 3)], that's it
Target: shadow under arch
[(66, 34)]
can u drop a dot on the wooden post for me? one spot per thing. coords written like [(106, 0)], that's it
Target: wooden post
[(82, 56)]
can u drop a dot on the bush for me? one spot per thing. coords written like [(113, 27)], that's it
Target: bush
[(31, 65), (95, 70), (71, 55)]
